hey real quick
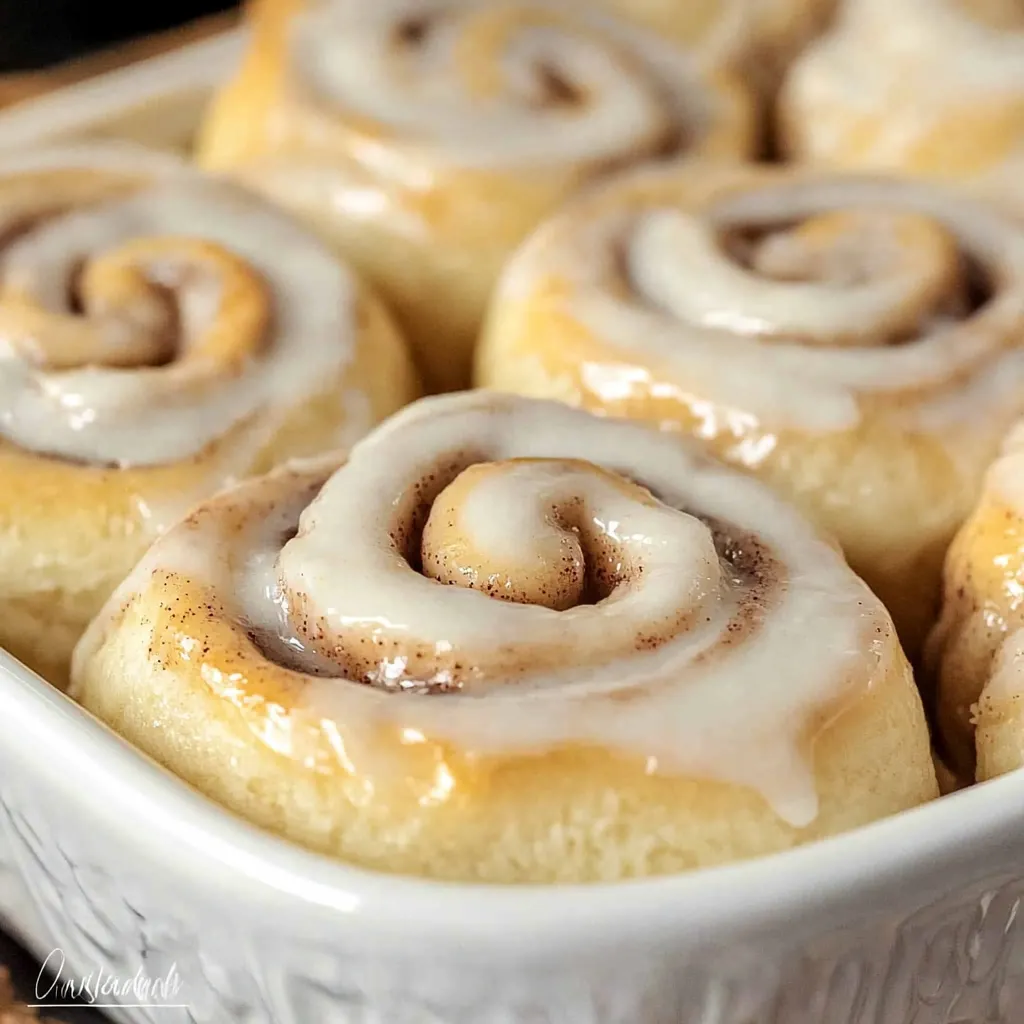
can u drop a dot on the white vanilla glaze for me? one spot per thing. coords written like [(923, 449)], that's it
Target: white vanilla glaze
[(573, 516), (880, 58), (676, 260), (482, 84), (153, 414), (810, 350), (757, 659)]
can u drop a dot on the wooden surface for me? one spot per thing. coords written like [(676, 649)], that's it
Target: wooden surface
[(25, 85)]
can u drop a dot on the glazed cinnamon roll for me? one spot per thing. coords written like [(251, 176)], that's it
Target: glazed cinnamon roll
[(511, 641), (933, 88), (975, 656), (858, 343), (161, 335), (427, 137)]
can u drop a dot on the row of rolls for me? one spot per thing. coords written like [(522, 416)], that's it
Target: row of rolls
[(739, 451)]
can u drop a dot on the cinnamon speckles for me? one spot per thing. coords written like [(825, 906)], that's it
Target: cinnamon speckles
[(647, 642), (555, 554), (749, 558), (414, 505), (546, 535), (181, 627)]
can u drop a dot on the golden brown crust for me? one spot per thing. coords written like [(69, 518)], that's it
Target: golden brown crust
[(429, 229), (499, 828), (971, 654)]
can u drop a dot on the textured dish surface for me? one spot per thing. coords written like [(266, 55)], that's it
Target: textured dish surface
[(910, 921)]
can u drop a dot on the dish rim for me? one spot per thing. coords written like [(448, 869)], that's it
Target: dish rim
[(742, 894)]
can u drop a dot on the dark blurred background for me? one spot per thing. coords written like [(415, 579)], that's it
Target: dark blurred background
[(37, 33)]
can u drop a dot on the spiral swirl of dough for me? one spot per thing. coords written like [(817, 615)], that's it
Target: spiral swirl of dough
[(146, 311), (856, 341), (474, 83), (426, 138), (839, 296), (513, 577)]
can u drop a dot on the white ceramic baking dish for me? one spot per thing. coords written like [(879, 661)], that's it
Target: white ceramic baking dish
[(132, 875)]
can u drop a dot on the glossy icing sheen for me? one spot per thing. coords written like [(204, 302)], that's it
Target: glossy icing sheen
[(845, 292), (514, 576), (472, 83), (854, 98), (145, 311), (975, 654)]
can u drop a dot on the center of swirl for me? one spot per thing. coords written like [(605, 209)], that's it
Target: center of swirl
[(142, 303), (858, 277), (561, 548)]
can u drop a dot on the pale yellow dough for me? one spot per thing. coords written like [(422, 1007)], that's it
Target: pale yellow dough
[(975, 655), (931, 88), (179, 665), (427, 179), (632, 302), (72, 527)]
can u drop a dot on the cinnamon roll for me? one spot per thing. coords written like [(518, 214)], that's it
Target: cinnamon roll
[(933, 88), (511, 641), (975, 655), (161, 334), (858, 343), (425, 138)]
